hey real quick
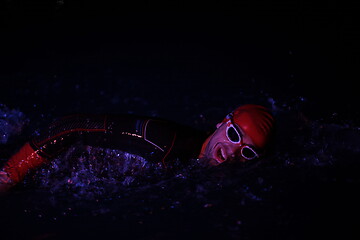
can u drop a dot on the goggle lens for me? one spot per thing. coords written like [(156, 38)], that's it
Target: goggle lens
[(233, 135), (248, 153)]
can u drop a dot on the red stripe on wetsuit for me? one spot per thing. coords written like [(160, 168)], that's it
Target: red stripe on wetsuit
[(20, 163)]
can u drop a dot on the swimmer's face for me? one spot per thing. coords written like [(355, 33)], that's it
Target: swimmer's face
[(223, 145)]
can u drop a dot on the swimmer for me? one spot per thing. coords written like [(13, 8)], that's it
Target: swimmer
[(242, 136)]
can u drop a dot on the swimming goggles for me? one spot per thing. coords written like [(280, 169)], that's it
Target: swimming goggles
[(234, 136)]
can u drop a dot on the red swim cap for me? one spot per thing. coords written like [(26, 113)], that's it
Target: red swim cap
[(256, 121)]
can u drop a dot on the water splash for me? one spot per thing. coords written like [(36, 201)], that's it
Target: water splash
[(91, 172), (95, 183)]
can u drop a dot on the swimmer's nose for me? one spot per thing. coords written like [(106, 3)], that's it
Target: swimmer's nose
[(231, 152), (236, 154)]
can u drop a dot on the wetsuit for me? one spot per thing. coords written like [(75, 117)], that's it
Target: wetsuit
[(154, 139)]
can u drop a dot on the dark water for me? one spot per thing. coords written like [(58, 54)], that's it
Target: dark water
[(191, 65)]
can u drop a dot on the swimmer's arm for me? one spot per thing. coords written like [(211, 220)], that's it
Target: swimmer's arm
[(18, 165), (102, 131), (53, 140)]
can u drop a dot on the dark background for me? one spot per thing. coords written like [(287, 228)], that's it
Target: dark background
[(192, 63), (75, 53)]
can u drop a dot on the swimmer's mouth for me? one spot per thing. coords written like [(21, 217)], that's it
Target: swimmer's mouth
[(220, 155)]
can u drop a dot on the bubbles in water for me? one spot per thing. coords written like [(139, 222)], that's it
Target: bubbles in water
[(90, 172)]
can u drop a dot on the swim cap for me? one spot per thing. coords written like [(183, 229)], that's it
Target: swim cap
[(256, 121)]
